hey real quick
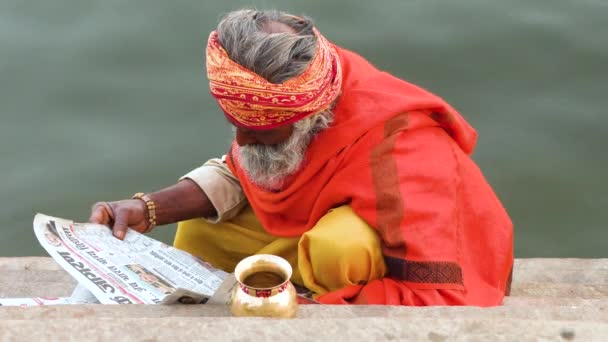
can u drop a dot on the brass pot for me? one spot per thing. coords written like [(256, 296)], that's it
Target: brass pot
[(264, 288)]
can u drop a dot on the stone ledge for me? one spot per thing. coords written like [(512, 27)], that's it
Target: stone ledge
[(310, 329), (552, 290), (589, 311), (565, 271), (28, 264), (556, 278), (552, 299)]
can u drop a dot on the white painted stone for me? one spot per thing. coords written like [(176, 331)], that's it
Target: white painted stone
[(552, 299), (309, 329)]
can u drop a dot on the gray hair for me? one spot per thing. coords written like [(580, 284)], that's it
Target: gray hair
[(269, 165), (276, 57)]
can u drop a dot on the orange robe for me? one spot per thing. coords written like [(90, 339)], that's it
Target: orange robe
[(399, 156)]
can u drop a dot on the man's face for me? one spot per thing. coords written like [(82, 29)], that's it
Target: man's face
[(273, 136), (269, 156)]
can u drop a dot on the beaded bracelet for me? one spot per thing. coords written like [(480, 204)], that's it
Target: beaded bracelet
[(151, 209)]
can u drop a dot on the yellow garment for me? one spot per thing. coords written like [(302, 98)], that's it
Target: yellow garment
[(340, 250)]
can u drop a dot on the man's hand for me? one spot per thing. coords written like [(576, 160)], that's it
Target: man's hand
[(180, 202), (121, 214)]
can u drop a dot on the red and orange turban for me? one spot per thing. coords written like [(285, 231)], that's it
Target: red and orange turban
[(250, 101)]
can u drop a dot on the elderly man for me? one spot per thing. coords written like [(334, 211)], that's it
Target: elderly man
[(362, 181)]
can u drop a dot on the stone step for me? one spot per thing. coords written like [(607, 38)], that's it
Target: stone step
[(588, 310), (557, 270), (552, 299), (24, 288), (568, 270), (557, 290), (534, 270), (308, 329), (33, 276), (561, 278), (29, 263)]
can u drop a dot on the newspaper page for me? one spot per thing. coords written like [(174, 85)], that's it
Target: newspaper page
[(136, 270), (38, 301)]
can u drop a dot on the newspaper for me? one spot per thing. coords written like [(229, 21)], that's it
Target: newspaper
[(136, 270), (37, 301)]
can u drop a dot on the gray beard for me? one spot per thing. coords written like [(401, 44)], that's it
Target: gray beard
[(268, 166)]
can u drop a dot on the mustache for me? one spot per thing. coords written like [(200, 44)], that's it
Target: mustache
[(268, 166)]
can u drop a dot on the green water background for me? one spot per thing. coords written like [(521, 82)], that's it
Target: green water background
[(101, 99)]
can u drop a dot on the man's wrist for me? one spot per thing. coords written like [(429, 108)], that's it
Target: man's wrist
[(149, 209), (180, 202)]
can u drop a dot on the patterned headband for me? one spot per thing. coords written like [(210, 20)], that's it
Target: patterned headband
[(250, 101)]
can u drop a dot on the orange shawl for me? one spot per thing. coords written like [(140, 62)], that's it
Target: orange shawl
[(399, 156)]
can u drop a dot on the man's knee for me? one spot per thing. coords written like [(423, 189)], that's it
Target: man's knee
[(223, 244), (217, 244), (341, 250)]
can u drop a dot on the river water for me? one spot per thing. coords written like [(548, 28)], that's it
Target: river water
[(101, 99)]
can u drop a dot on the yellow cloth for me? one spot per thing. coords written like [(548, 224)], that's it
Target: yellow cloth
[(340, 250)]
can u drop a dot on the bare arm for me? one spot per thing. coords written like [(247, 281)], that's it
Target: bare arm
[(182, 201)]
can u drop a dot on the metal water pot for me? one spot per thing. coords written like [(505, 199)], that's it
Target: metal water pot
[(264, 288)]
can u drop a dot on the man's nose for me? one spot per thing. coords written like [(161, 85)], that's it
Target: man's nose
[(244, 138)]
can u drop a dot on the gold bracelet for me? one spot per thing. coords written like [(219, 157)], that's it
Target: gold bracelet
[(151, 209)]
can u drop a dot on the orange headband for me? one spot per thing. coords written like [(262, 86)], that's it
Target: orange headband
[(250, 101)]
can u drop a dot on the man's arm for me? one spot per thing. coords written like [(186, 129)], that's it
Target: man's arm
[(210, 191), (182, 201), (222, 187)]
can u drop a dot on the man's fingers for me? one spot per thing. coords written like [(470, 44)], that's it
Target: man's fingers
[(120, 224), (101, 213)]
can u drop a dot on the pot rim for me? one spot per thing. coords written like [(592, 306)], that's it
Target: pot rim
[(249, 261)]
